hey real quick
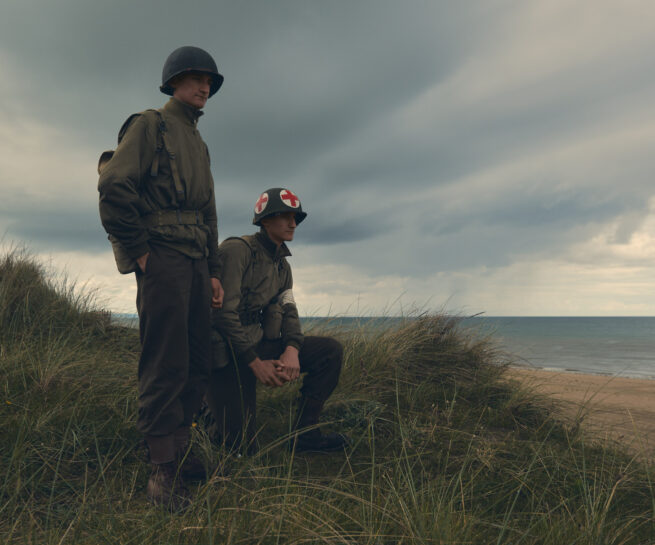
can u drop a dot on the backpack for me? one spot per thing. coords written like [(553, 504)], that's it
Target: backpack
[(124, 262)]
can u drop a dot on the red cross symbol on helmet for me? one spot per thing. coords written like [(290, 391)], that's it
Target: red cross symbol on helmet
[(289, 198), (261, 203)]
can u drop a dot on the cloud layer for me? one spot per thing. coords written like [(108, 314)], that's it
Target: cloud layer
[(490, 157)]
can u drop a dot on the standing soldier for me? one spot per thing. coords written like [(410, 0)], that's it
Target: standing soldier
[(257, 335), (157, 204)]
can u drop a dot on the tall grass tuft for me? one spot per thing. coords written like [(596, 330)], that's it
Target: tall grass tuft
[(445, 449)]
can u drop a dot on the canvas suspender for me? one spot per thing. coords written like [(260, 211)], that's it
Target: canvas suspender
[(162, 145)]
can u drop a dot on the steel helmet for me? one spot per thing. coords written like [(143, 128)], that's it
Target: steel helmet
[(189, 59), (277, 200)]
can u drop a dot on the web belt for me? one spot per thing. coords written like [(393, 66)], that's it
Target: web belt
[(173, 217), (250, 317)]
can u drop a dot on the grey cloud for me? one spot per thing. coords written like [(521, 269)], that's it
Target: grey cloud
[(57, 230), (323, 230), (299, 78), (519, 212), (316, 98)]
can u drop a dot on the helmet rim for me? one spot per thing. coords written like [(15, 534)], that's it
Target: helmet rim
[(277, 206), (189, 59)]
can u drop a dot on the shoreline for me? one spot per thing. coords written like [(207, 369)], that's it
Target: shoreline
[(616, 408), (570, 371)]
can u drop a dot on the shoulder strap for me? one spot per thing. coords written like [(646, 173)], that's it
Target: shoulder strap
[(106, 156), (247, 240), (162, 145), (126, 125), (179, 188), (154, 167)]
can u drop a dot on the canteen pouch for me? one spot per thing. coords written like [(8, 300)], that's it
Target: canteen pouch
[(124, 263), (272, 322), (220, 351)]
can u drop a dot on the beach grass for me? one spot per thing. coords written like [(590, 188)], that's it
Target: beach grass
[(444, 448)]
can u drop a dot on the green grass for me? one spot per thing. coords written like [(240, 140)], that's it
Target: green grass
[(445, 449)]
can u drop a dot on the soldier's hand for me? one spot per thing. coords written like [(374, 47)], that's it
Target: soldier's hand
[(142, 261), (217, 293), (266, 372), (290, 364)]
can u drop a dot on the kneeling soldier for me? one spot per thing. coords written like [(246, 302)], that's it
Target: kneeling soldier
[(257, 336)]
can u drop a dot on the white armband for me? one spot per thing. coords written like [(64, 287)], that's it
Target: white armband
[(286, 298)]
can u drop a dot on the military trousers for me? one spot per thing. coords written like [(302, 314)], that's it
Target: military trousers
[(231, 395), (173, 301)]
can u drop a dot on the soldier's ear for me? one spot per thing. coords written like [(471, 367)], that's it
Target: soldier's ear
[(175, 81), (265, 223)]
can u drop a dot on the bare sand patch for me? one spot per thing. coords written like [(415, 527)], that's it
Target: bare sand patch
[(622, 409)]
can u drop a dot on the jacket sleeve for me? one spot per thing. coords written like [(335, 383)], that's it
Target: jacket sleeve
[(233, 259), (291, 330), (209, 214), (119, 187)]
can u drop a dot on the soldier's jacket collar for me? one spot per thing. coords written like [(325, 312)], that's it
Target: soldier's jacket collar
[(183, 111), (270, 246)]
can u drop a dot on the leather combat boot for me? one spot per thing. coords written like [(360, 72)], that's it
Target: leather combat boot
[(166, 488), (312, 440), (191, 467), (315, 441)]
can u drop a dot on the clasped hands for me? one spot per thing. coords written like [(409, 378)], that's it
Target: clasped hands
[(276, 373)]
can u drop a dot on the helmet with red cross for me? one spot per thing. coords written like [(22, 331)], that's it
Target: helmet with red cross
[(277, 200)]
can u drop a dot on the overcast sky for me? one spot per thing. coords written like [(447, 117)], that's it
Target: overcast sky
[(487, 156)]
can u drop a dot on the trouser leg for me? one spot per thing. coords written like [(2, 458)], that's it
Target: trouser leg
[(231, 397), (320, 361), (320, 358), (166, 294), (199, 340)]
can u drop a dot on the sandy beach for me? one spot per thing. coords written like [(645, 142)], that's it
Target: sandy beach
[(620, 408)]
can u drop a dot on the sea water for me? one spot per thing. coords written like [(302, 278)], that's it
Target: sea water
[(623, 346)]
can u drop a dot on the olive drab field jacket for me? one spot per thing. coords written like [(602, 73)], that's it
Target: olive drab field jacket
[(139, 200), (255, 275)]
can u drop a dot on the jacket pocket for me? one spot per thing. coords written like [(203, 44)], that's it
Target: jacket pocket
[(124, 263)]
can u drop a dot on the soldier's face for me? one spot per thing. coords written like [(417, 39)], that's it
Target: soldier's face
[(192, 89), (280, 228)]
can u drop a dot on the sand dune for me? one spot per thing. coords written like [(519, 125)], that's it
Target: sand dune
[(620, 408)]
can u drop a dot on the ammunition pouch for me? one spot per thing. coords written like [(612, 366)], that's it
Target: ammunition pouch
[(221, 351), (272, 321)]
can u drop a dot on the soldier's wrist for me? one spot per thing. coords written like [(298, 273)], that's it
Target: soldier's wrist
[(293, 344), (247, 357), (254, 362)]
